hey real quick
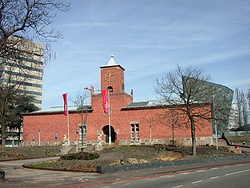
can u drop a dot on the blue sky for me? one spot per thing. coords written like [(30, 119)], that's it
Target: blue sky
[(148, 38)]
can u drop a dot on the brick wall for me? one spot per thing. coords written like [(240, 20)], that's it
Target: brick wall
[(153, 125)]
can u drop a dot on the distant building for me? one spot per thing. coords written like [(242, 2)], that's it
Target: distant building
[(233, 118), (26, 68), (129, 123), (23, 68), (221, 97)]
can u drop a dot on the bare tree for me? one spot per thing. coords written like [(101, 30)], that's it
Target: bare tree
[(187, 89), (29, 19), (248, 97), (244, 109), (238, 102), (241, 104), (21, 20), (80, 102)]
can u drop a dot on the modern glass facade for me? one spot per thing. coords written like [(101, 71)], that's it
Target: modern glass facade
[(220, 96)]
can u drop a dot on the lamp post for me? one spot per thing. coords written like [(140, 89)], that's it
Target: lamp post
[(77, 140), (215, 124), (56, 136), (150, 132), (39, 137), (216, 134)]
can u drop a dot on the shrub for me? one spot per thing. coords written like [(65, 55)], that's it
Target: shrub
[(80, 156)]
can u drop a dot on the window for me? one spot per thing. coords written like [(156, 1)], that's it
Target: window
[(83, 133), (110, 88), (134, 131)]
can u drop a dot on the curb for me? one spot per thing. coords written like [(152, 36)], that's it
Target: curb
[(118, 168)]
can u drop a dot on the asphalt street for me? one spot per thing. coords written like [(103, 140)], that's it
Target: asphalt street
[(232, 176)]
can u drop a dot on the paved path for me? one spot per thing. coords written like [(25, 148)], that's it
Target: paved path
[(17, 176)]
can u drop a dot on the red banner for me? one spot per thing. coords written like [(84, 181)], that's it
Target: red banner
[(65, 105), (105, 101)]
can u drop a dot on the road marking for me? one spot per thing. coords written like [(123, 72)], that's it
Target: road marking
[(185, 173), (215, 177), (214, 168), (118, 182), (199, 181), (167, 176), (178, 186), (200, 170), (233, 173)]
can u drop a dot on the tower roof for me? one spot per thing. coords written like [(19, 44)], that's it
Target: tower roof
[(111, 62)]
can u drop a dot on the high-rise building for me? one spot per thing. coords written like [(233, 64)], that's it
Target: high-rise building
[(23, 67), (21, 72)]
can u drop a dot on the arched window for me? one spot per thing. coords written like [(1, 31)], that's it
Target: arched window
[(110, 88)]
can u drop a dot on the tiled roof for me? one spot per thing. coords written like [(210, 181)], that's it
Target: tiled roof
[(146, 104), (137, 104), (59, 109)]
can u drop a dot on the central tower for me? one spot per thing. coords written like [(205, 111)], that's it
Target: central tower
[(112, 77)]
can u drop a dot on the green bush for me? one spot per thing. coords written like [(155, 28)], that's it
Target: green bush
[(80, 156)]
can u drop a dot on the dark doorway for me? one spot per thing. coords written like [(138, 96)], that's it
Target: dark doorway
[(106, 133)]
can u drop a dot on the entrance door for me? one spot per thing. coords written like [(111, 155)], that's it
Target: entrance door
[(106, 133)]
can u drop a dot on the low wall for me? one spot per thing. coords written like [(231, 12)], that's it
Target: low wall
[(178, 142), (117, 168)]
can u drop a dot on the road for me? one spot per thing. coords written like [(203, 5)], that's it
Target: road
[(195, 175), (223, 177)]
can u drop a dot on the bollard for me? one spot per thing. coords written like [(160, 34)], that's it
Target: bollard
[(2, 175)]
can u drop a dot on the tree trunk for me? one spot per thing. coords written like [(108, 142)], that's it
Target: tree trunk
[(3, 133), (193, 136)]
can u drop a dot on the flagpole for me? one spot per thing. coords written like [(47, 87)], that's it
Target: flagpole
[(109, 118), (66, 112), (68, 128)]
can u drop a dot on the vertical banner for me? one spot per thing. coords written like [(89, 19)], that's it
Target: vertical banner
[(105, 101), (65, 105)]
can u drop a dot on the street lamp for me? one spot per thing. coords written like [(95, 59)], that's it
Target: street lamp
[(39, 137), (56, 136), (77, 140)]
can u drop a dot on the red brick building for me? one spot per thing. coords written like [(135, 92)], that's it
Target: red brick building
[(130, 122)]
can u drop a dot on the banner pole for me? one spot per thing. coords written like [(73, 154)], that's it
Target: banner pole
[(109, 119), (68, 128)]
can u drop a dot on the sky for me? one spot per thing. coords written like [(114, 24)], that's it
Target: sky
[(148, 39)]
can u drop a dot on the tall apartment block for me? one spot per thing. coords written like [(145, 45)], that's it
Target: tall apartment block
[(25, 67)]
